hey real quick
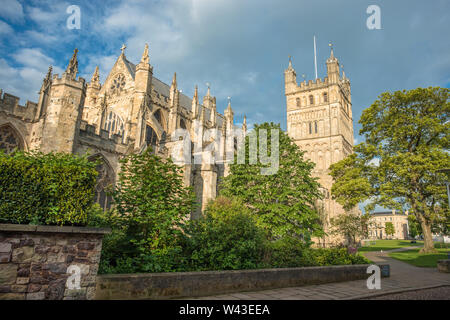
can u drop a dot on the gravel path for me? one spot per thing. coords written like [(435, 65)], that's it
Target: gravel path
[(441, 293)]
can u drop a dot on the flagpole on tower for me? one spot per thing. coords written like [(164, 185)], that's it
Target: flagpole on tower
[(315, 56)]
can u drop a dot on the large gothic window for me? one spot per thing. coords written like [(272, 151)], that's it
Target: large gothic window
[(113, 124), (9, 139), (105, 179), (150, 136)]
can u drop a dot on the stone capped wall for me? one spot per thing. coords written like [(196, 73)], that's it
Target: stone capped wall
[(35, 261)]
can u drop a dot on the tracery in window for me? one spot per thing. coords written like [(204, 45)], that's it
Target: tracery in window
[(150, 136), (9, 139), (114, 124)]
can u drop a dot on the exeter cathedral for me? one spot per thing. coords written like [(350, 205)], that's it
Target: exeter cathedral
[(130, 111), (319, 119)]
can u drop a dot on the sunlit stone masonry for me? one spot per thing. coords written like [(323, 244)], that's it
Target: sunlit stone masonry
[(129, 112)]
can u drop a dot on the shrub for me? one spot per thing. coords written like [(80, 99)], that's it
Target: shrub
[(227, 237), (291, 252), (336, 256), (150, 204), (53, 189), (288, 252)]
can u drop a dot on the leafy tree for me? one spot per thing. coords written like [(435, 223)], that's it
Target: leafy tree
[(389, 228), (226, 237), (406, 143), (350, 225), (414, 226), (150, 204), (283, 202)]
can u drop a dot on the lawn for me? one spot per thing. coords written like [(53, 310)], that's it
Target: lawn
[(389, 245), (421, 260)]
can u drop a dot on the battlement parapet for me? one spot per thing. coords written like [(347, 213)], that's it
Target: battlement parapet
[(319, 83), (10, 104), (67, 79), (104, 140), (311, 85)]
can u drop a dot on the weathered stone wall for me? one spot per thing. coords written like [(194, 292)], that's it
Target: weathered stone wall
[(444, 266), (34, 261), (194, 284)]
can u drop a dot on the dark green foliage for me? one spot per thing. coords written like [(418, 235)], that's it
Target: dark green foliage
[(227, 237), (283, 202), (53, 189), (291, 252), (150, 205), (336, 256), (288, 252)]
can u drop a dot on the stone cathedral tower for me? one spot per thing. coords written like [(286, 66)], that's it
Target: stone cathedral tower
[(319, 119)]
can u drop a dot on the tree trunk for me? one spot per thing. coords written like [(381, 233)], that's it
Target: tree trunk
[(428, 245)]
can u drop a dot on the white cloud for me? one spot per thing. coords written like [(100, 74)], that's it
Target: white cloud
[(25, 80), (33, 58), (48, 17), (40, 37), (5, 29), (21, 82), (11, 10), (104, 63)]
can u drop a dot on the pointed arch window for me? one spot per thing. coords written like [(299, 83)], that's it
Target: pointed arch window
[(114, 124), (150, 136), (315, 126), (105, 179), (9, 139), (298, 102), (158, 117), (310, 128), (325, 97), (182, 124), (311, 99)]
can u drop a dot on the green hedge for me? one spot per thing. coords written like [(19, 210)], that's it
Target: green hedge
[(52, 189), (225, 238)]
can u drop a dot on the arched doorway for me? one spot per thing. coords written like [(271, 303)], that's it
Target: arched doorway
[(105, 179), (10, 139)]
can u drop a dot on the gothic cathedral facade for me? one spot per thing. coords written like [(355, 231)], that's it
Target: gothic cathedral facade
[(129, 112), (319, 119)]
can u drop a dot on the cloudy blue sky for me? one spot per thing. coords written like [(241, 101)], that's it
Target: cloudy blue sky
[(240, 47)]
